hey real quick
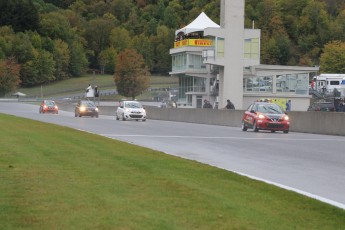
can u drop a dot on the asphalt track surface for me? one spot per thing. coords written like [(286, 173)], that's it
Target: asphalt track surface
[(310, 164)]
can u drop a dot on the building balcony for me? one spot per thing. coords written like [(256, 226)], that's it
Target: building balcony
[(190, 70), (195, 89)]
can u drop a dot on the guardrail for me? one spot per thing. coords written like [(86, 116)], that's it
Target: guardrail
[(306, 122)]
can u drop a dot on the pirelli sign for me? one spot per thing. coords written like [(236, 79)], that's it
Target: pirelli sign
[(193, 42)]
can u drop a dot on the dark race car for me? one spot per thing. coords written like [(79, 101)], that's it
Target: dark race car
[(265, 116), (86, 108)]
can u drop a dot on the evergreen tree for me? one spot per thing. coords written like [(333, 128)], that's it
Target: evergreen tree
[(62, 59), (20, 14), (78, 61)]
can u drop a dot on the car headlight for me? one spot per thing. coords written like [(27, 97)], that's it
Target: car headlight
[(96, 109), (286, 118), (261, 116), (82, 109)]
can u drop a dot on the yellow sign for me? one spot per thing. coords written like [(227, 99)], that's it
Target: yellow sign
[(193, 42), (279, 101)]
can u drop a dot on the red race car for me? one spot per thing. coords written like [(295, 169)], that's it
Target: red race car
[(48, 106), (265, 116)]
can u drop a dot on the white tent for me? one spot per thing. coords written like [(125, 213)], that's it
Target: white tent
[(19, 94), (199, 24)]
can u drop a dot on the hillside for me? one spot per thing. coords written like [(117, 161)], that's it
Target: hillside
[(54, 40)]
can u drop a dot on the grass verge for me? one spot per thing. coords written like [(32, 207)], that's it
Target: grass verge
[(53, 177), (78, 85)]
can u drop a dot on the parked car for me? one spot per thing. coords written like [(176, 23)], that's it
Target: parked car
[(130, 110), (265, 116), (322, 106), (86, 108), (48, 106)]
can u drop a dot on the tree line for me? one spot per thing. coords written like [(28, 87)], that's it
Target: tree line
[(45, 41)]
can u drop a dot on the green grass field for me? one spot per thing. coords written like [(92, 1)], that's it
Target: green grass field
[(77, 85), (53, 177)]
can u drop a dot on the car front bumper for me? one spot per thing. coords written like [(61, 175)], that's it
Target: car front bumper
[(277, 126), (135, 116)]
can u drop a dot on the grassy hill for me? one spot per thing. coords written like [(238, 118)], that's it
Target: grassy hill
[(74, 86)]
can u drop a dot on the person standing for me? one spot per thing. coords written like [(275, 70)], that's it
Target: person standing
[(88, 88), (312, 84), (341, 105), (288, 105)]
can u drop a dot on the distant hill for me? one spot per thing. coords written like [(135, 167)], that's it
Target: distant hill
[(54, 40)]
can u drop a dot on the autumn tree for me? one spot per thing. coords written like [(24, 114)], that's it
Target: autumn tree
[(131, 74), (333, 58), (9, 76)]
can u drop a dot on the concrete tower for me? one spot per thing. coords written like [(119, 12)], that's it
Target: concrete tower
[(231, 77)]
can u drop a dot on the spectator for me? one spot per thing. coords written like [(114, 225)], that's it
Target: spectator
[(207, 105), (341, 105), (229, 105), (288, 105), (88, 88), (312, 84)]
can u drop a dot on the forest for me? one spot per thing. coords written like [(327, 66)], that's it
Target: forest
[(43, 41)]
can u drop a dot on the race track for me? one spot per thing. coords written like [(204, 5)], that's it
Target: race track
[(311, 164)]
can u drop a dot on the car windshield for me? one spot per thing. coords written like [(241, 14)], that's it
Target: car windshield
[(133, 105), (88, 104), (270, 108), (50, 103)]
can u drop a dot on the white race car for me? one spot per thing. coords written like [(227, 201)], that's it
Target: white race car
[(130, 110)]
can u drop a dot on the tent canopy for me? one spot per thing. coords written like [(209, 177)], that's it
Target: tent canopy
[(199, 24), (19, 94)]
